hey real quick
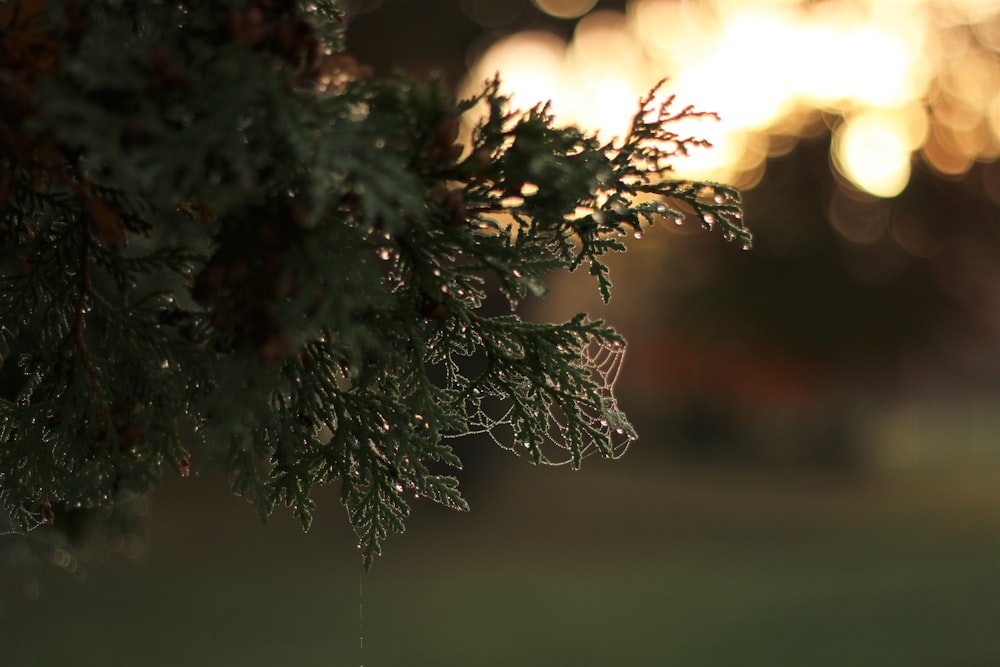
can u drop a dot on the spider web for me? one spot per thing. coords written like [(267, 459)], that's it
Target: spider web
[(7, 526), (606, 430)]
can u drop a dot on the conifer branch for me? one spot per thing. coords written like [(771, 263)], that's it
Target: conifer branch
[(244, 233), (80, 312)]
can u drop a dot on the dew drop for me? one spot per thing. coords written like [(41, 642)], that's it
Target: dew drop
[(619, 430), (384, 254), (398, 487), (746, 246), (678, 221), (517, 273), (637, 235), (709, 220)]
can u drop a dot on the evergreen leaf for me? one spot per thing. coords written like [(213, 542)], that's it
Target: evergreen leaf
[(225, 245)]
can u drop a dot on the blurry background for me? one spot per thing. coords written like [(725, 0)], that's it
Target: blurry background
[(817, 479)]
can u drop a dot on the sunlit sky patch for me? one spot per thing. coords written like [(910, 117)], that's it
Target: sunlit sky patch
[(906, 79)]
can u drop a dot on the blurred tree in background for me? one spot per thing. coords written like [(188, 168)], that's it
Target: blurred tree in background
[(227, 246)]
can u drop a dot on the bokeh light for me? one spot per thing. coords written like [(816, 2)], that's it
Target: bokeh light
[(904, 81), (533, 66), (873, 151), (565, 9)]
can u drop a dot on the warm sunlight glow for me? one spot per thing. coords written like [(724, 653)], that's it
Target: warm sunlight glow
[(745, 80), (532, 64), (873, 152), (606, 67), (900, 80)]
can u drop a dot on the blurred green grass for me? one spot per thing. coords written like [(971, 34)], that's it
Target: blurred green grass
[(632, 563)]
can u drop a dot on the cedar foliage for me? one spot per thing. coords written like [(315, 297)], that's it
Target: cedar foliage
[(219, 233)]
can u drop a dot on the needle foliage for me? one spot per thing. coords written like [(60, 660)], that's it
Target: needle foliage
[(224, 244)]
